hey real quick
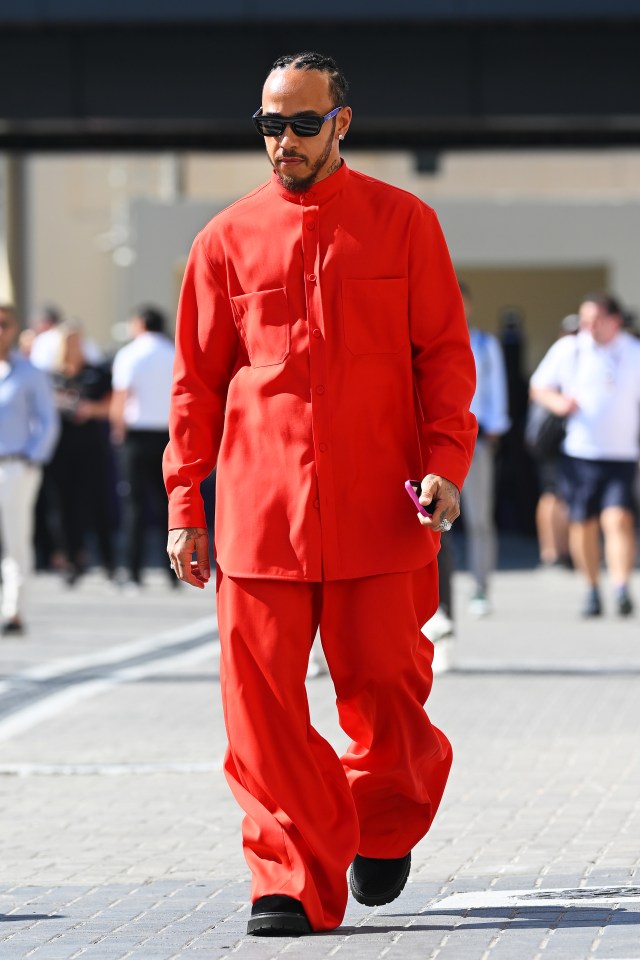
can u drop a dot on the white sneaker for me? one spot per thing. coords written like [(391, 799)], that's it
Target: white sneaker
[(479, 605), (318, 666), (131, 589), (439, 627)]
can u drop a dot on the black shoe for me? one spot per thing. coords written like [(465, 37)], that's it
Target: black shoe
[(624, 606), (12, 628), (72, 575), (278, 916), (592, 606), (374, 881)]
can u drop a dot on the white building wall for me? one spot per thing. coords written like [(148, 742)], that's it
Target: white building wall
[(107, 232)]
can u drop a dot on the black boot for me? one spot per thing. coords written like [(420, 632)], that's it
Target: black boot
[(375, 881), (278, 916)]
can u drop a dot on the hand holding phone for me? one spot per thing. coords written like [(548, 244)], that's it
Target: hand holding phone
[(414, 489)]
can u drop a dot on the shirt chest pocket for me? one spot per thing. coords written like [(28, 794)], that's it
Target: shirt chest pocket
[(264, 324), (375, 315)]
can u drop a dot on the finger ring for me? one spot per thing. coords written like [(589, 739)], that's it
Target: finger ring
[(445, 525)]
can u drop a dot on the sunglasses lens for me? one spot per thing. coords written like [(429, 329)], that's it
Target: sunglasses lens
[(269, 127), (307, 126), (301, 126)]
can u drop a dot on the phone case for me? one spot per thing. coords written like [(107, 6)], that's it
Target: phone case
[(414, 488)]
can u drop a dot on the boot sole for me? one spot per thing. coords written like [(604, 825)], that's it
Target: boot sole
[(278, 925)]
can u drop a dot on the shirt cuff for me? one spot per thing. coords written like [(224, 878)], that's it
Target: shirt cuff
[(186, 513)]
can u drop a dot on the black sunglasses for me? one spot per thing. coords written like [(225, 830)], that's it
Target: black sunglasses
[(305, 126)]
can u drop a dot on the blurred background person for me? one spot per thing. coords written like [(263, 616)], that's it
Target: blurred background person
[(43, 330), (516, 489), (28, 431), (44, 325), (142, 375), (552, 515), (490, 406), (441, 625), (43, 339), (81, 466), (595, 383), (45, 346)]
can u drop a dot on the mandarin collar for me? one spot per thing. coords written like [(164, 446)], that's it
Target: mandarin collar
[(319, 193)]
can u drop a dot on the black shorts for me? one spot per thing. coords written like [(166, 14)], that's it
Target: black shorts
[(548, 476), (590, 486)]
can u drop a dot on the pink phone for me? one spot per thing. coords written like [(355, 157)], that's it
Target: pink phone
[(414, 489)]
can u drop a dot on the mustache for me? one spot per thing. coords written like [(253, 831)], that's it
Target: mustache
[(290, 155)]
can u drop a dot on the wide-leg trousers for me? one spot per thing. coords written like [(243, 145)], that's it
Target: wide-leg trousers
[(307, 811)]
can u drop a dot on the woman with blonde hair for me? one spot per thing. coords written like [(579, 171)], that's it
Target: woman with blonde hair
[(82, 465)]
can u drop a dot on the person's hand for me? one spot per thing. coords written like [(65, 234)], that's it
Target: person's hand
[(83, 411), (118, 434), (564, 405), (446, 497), (182, 543)]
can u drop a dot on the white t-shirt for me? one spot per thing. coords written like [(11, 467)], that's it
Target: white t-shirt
[(605, 381), (144, 368)]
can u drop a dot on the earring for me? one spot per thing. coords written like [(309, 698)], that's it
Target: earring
[(341, 136)]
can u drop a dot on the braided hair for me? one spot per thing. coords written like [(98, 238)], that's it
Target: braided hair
[(338, 85)]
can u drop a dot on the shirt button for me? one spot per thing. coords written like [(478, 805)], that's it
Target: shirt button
[(312, 278), (320, 388), (311, 226), (316, 504), (322, 447), (316, 332)]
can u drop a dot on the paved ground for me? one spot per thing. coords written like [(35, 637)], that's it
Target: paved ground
[(120, 839)]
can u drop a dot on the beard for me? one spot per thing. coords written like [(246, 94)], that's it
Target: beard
[(302, 184)]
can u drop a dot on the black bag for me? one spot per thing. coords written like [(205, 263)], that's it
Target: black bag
[(544, 432)]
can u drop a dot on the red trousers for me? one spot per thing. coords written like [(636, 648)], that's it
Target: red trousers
[(309, 812)]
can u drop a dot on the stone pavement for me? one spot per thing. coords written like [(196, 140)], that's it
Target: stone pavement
[(120, 838)]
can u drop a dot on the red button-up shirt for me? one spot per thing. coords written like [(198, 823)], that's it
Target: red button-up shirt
[(322, 359)]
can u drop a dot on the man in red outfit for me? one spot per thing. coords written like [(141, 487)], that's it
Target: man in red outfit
[(322, 360)]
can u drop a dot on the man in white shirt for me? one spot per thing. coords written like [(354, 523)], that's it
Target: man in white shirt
[(594, 380), (490, 406), (142, 376)]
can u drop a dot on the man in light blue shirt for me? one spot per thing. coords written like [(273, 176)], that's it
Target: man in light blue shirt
[(490, 406), (28, 433)]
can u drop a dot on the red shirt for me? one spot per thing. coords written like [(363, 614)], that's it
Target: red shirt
[(322, 359)]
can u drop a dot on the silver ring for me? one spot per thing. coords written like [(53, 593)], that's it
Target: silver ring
[(445, 525)]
